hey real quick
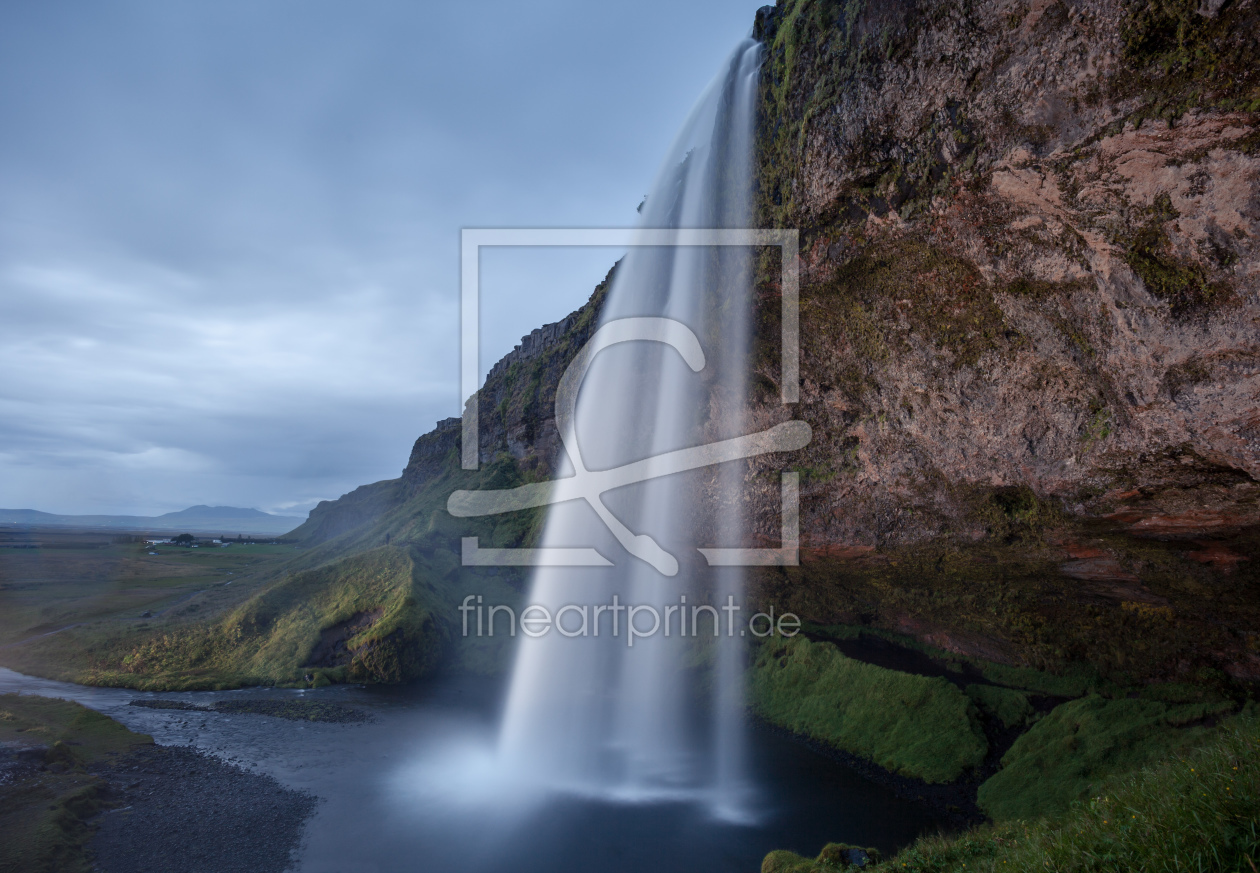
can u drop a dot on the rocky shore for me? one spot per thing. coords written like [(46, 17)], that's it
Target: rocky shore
[(175, 808), (80, 792), (292, 710)]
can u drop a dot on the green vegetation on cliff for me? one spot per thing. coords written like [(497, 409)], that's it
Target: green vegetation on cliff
[(891, 297), (912, 725), (817, 51), (1184, 53), (1183, 283)]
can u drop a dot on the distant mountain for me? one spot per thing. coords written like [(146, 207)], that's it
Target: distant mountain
[(230, 520), (202, 512), (27, 516)]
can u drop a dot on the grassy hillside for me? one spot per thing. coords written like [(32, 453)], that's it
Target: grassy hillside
[(373, 611), (376, 603)]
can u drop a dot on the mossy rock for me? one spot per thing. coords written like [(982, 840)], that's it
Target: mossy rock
[(834, 856), (783, 861), (846, 855)]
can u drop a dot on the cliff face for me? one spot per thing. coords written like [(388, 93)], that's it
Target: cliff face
[(1030, 298), (1029, 309), (517, 401), (1015, 270)]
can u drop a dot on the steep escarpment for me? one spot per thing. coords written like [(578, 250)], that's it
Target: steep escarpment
[(1013, 274), (1029, 312)]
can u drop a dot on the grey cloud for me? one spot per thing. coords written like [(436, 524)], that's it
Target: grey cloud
[(229, 232)]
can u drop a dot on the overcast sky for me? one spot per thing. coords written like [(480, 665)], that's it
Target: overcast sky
[(229, 232)]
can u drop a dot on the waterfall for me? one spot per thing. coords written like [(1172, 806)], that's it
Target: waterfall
[(655, 716)]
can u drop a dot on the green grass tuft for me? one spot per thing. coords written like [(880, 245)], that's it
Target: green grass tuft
[(913, 725), (834, 856)]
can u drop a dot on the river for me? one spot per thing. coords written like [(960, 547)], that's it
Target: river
[(417, 788)]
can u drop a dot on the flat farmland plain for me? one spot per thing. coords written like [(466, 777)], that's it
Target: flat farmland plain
[(60, 591)]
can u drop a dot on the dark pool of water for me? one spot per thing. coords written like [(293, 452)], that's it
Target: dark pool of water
[(416, 789)]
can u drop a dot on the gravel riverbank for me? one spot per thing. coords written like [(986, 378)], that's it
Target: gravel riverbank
[(175, 808)]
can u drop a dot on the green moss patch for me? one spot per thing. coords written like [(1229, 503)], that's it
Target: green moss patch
[(913, 725), (1068, 754), (1183, 285)]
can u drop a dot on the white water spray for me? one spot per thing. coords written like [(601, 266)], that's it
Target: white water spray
[(660, 718)]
